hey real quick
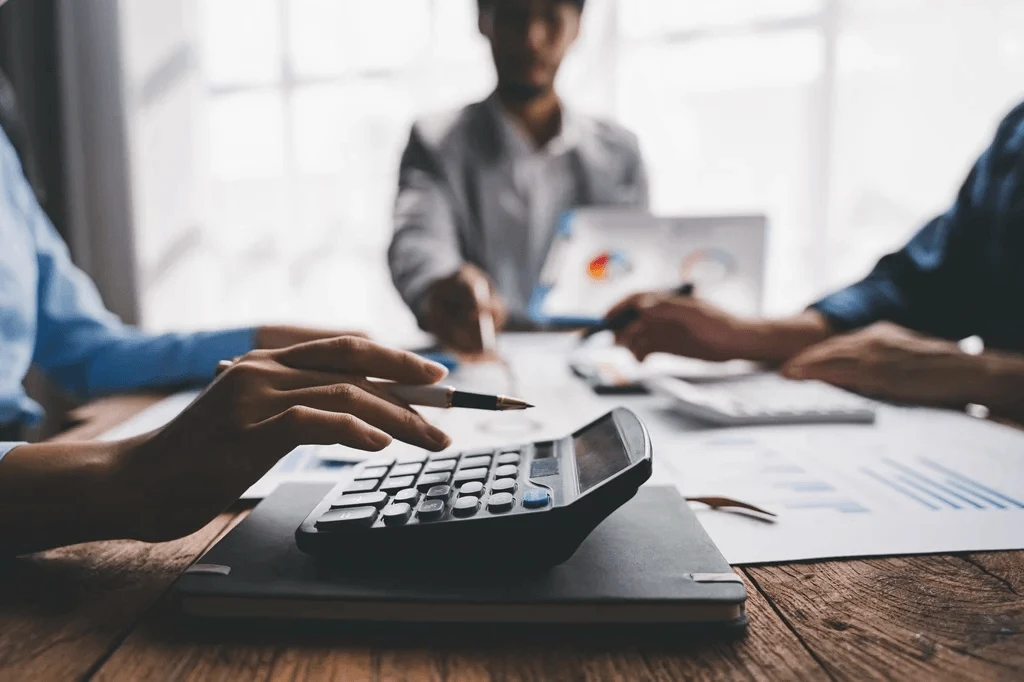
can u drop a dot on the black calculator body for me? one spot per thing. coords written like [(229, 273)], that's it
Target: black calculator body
[(511, 507)]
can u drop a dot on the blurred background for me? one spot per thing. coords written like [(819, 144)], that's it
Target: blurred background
[(247, 150)]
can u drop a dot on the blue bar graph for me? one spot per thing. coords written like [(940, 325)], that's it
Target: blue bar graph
[(938, 487), (971, 484), (845, 506), (806, 486), (899, 488)]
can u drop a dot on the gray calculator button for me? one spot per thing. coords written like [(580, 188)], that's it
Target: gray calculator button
[(409, 496), (503, 485), (439, 492), (470, 475), (476, 461), (339, 519), (443, 465), (396, 483), (500, 502), (397, 514), (418, 458), (509, 458), (372, 472), (428, 481), (362, 486), (506, 471), (466, 505), (471, 488), (406, 469), (430, 510), (377, 500)]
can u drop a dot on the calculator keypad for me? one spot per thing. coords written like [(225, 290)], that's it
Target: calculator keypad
[(420, 488)]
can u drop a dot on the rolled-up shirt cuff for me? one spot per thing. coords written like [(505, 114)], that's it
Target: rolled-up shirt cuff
[(209, 348), (858, 305), (7, 447)]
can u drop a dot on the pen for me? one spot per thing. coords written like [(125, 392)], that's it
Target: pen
[(437, 396), (488, 336), (623, 319), (448, 396)]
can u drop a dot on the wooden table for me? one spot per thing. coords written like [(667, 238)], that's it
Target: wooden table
[(98, 612)]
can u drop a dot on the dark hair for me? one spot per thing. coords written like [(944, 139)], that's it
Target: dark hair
[(489, 4)]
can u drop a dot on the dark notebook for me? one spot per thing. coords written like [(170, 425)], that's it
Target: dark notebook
[(649, 562)]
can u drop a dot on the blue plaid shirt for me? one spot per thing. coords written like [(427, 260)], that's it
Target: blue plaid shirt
[(51, 315), (962, 274)]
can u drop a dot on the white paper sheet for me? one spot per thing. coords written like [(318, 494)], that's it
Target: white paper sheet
[(918, 481)]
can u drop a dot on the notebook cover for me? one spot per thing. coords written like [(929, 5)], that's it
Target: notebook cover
[(645, 553)]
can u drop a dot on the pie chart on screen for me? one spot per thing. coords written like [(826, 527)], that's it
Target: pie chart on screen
[(707, 266), (609, 266)]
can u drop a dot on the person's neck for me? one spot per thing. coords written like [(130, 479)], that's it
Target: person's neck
[(539, 116)]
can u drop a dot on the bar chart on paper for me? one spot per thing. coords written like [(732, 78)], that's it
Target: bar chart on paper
[(918, 481)]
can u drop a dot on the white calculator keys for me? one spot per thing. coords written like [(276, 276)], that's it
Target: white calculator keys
[(763, 400)]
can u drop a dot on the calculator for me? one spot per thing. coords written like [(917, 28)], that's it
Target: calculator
[(530, 505), (764, 400)]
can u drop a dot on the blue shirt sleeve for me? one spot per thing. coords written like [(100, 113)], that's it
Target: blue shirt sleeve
[(933, 283), (86, 349)]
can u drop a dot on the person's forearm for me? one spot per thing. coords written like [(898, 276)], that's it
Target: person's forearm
[(774, 341), (1000, 387), (54, 494)]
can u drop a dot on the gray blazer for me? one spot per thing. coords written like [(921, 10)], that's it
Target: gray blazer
[(471, 189)]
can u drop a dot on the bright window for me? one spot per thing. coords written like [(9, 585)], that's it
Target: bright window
[(265, 134)]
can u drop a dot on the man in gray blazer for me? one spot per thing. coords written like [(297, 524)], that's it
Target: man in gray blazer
[(482, 189)]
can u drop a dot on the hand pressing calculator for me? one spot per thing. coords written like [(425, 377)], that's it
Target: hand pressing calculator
[(530, 505)]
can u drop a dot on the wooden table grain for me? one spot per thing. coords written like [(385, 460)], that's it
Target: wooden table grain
[(99, 611)]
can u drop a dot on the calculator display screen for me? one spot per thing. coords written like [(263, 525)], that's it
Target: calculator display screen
[(600, 453)]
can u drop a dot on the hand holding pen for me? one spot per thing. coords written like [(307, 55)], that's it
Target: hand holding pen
[(464, 311), (435, 395), (626, 312)]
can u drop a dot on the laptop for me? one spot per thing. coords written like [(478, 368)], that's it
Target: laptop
[(600, 256)]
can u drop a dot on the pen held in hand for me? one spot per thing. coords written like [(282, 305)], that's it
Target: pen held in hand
[(447, 397), (628, 316), (444, 397)]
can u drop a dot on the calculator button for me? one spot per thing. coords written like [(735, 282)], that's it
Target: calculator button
[(431, 510), (471, 488), (380, 461), (506, 471), (362, 486), (445, 457), (509, 458), (466, 506), (397, 514), (500, 502), (428, 481), (476, 461), (394, 484), (503, 485), (377, 500), (406, 469), (409, 496), (439, 492), (535, 497), (372, 472), (470, 475), (443, 465), (336, 519), (419, 458)]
